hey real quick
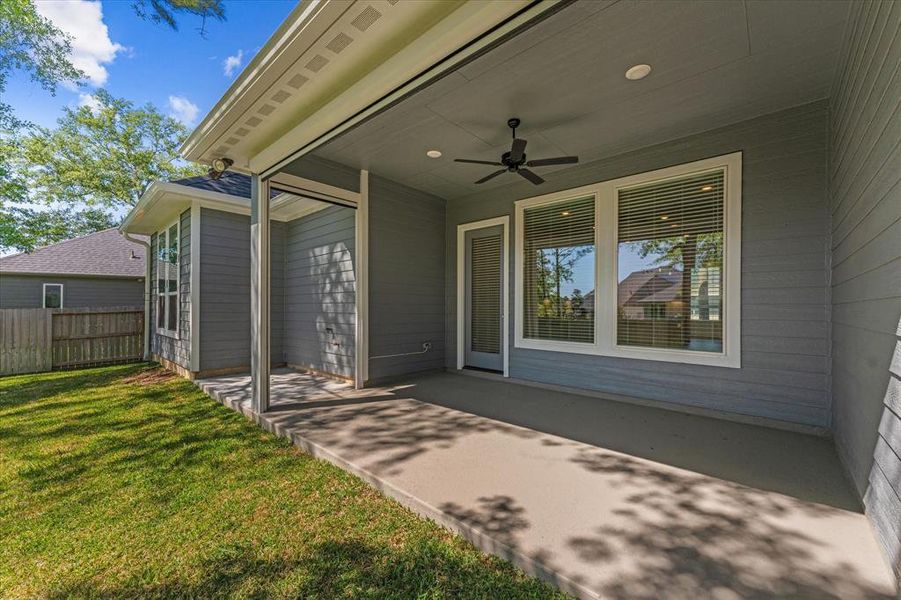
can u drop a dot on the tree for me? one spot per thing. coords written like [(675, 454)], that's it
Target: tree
[(31, 43), (94, 165), (555, 267), (25, 229), (103, 156), (164, 11)]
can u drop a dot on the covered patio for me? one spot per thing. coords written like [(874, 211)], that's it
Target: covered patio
[(602, 498), (709, 231)]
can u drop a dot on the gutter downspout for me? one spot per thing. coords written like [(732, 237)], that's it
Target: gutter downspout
[(147, 259)]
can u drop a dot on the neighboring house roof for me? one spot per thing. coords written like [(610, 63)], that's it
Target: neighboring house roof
[(105, 253), (641, 286)]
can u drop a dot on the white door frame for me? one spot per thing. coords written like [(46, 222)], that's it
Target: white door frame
[(504, 222)]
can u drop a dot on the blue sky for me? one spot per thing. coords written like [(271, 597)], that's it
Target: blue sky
[(181, 72)]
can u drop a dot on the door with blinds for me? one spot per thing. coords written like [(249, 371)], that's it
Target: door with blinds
[(484, 291)]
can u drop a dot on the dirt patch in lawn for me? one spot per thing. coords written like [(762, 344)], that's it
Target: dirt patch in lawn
[(151, 376)]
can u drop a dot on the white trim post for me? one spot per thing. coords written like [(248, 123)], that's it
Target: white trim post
[(259, 293), (361, 241), (195, 287)]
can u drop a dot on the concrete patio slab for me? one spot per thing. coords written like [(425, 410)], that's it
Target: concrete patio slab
[(602, 498)]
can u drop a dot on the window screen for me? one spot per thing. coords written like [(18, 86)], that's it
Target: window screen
[(670, 264), (559, 271)]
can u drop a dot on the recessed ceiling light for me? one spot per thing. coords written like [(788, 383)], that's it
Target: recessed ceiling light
[(664, 217), (707, 188), (565, 213), (638, 72), (433, 153)]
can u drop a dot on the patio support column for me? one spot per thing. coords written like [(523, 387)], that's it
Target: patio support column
[(259, 293)]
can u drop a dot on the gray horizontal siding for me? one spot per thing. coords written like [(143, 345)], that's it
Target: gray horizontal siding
[(320, 291), (176, 349), (406, 280), (225, 290), (865, 190), (27, 291), (785, 242)]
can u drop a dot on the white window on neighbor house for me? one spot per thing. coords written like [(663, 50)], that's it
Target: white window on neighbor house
[(644, 267), (53, 295), (167, 279)]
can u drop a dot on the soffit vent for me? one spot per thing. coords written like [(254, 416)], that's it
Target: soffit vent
[(316, 63), (339, 43), (253, 121), (392, 2), (297, 81), (366, 18), (266, 109), (280, 96), (232, 141), (241, 131)]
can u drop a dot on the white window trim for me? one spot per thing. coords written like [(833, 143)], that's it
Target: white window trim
[(605, 194), (62, 291), (165, 232)]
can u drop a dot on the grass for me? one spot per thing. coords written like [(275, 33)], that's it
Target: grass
[(123, 482)]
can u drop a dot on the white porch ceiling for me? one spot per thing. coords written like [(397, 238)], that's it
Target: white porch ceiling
[(714, 63)]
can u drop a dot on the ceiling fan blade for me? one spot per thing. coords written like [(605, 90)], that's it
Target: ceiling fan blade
[(517, 150), (530, 176), (560, 160), (492, 176), (478, 162)]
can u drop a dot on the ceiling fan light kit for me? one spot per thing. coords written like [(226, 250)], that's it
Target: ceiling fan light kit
[(515, 161)]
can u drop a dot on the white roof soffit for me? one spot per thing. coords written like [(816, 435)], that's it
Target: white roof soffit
[(329, 61)]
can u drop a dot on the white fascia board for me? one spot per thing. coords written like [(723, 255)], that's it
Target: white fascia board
[(163, 199), (308, 20), (472, 20)]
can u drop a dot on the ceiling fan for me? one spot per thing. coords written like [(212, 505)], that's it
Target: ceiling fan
[(515, 161)]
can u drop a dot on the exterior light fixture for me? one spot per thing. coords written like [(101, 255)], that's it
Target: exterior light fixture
[(219, 166), (433, 153), (638, 72)]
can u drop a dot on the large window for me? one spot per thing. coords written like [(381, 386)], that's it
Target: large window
[(558, 255), (644, 267), (167, 280), (670, 259)]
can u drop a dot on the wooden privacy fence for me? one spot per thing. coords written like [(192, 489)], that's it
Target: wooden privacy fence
[(42, 339)]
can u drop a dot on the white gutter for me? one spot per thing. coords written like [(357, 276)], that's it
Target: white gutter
[(147, 259)]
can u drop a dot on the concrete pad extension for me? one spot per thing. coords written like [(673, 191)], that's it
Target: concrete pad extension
[(604, 499)]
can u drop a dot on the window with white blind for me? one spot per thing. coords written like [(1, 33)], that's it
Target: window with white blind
[(167, 277), (558, 257), (645, 267)]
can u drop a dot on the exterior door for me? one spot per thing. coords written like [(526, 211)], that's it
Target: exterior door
[(484, 289)]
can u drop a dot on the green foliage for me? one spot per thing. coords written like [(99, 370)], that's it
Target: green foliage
[(104, 156), (124, 482), (31, 43), (555, 267), (668, 251), (25, 229), (165, 11)]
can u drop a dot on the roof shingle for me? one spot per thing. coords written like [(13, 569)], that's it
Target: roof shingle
[(105, 253)]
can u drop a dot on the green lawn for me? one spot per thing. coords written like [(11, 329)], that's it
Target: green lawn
[(123, 481)]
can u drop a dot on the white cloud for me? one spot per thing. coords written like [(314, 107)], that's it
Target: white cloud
[(89, 100), (183, 109), (232, 63), (92, 47)]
